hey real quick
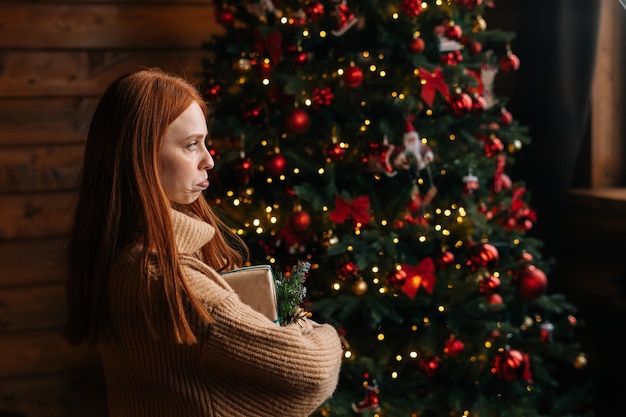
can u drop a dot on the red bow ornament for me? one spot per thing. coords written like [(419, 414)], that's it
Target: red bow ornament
[(422, 275), (270, 43), (358, 209), (432, 81)]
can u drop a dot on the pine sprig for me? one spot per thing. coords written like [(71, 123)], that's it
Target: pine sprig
[(290, 292)]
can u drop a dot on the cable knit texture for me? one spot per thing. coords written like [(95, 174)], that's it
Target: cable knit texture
[(243, 363)]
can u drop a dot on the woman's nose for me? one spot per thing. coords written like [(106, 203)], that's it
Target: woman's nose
[(207, 160)]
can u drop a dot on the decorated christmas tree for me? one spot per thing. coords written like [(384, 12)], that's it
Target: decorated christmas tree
[(366, 139)]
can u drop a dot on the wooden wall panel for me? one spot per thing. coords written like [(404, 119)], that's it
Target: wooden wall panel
[(40, 168), (37, 352), (35, 215), (27, 308), (31, 262), (98, 26), (40, 121), (85, 72), (75, 393)]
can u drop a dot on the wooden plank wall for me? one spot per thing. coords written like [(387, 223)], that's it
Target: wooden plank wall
[(56, 58)]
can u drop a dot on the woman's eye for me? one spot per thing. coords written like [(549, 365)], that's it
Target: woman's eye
[(192, 145)]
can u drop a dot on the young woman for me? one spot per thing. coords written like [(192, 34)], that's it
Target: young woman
[(144, 261)]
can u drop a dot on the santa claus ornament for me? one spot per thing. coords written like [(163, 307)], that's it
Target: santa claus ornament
[(413, 154)]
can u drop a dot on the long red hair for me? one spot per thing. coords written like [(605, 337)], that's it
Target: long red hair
[(121, 200)]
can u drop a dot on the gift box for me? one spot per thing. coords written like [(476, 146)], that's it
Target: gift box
[(255, 286)]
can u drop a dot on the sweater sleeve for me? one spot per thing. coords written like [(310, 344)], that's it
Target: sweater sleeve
[(298, 362)]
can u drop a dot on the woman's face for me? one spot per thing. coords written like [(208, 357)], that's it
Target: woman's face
[(184, 159)]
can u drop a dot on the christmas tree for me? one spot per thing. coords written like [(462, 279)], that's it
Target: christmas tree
[(366, 138)]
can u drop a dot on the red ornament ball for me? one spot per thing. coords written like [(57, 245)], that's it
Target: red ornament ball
[(417, 45), (494, 299), (453, 32), (444, 259), (493, 146), (460, 104), (334, 152), (489, 284), (353, 76), (506, 118), (511, 365), (478, 104), (314, 10), (275, 164), (225, 16), (297, 121), (300, 220), (531, 283), (483, 255), (509, 63)]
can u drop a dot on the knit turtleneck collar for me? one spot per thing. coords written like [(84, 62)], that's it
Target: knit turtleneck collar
[(191, 233)]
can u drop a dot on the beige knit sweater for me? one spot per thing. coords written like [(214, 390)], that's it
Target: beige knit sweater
[(243, 364)]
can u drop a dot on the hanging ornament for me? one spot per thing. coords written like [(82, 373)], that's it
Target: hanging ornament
[(224, 16), (444, 259), (370, 402), (470, 184), (417, 45), (512, 365), (420, 276), (430, 366), (479, 24), (254, 112), (531, 283), (494, 299), (297, 121), (413, 155), (352, 76), (451, 58), (500, 180), (432, 81), (489, 284), (580, 361), (488, 74), (506, 118), (482, 255), (453, 347), (314, 10), (300, 220), (479, 104), (509, 63), (474, 47), (322, 97), (545, 332), (244, 167), (378, 159), (493, 146), (453, 32), (358, 209), (359, 287), (212, 91), (334, 152), (300, 58), (460, 104), (347, 19), (275, 164), (347, 270), (411, 8)]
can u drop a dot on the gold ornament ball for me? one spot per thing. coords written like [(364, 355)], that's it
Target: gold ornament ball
[(359, 287), (580, 361)]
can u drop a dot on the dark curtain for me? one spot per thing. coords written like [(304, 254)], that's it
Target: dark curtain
[(556, 43)]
